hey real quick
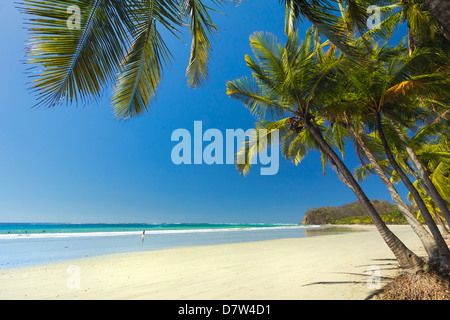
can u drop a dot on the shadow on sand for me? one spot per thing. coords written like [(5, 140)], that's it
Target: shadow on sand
[(366, 277)]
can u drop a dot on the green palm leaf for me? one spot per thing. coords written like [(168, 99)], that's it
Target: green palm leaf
[(257, 143), (115, 40), (140, 73), (74, 63), (202, 28), (253, 97), (323, 15)]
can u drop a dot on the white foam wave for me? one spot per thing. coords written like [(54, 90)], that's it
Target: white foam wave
[(139, 233)]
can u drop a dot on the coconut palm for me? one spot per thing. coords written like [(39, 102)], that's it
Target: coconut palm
[(434, 154), (427, 21), (289, 85), (430, 147), (362, 144), (420, 25), (114, 41), (387, 90), (423, 176)]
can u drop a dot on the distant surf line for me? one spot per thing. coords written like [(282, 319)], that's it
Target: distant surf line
[(27, 231)]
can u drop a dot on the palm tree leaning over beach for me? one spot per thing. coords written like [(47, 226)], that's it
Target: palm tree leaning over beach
[(383, 105), (430, 144), (364, 145), (422, 35), (288, 88), (387, 91)]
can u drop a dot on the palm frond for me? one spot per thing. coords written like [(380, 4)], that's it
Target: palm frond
[(324, 16), (75, 62), (140, 72), (202, 28), (266, 50), (420, 62), (390, 20), (258, 142), (251, 95)]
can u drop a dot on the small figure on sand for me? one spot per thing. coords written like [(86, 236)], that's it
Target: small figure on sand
[(143, 235)]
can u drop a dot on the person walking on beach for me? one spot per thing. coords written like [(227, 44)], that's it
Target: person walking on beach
[(143, 235)]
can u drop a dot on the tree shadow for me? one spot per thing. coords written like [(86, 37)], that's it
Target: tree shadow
[(372, 294), (387, 264), (332, 282)]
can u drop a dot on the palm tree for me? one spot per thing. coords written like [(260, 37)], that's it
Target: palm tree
[(289, 85), (434, 153), (117, 41), (361, 144), (388, 88)]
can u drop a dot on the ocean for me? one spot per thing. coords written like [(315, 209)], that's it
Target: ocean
[(28, 244)]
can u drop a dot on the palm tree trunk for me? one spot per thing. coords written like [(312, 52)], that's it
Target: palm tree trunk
[(411, 42), (405, 257), (440, 10), (442, 246), (444, 231), (427, 240)]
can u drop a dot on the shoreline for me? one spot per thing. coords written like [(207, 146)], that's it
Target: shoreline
[(327, 267), (34, 249)]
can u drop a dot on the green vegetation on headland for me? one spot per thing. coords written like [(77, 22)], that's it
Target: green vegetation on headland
[(353, 213)]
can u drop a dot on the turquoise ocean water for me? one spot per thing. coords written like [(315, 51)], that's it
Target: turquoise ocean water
[(72, 229), (26, 244)]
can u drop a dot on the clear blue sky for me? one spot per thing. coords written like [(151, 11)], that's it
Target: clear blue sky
[(78, 164)]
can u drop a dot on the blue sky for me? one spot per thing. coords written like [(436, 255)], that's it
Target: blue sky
[(76, 163)]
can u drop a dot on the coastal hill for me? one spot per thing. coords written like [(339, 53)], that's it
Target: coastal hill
[(353, 213)]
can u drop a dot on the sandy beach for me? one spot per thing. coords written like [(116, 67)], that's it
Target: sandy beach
[(336, 266)]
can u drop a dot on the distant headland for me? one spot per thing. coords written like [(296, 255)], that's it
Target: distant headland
[(353, 213)]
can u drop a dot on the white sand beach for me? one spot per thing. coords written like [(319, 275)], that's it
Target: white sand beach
[(320, 267)]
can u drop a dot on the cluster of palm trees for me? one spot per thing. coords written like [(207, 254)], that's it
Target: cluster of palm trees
[(389, 101)]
